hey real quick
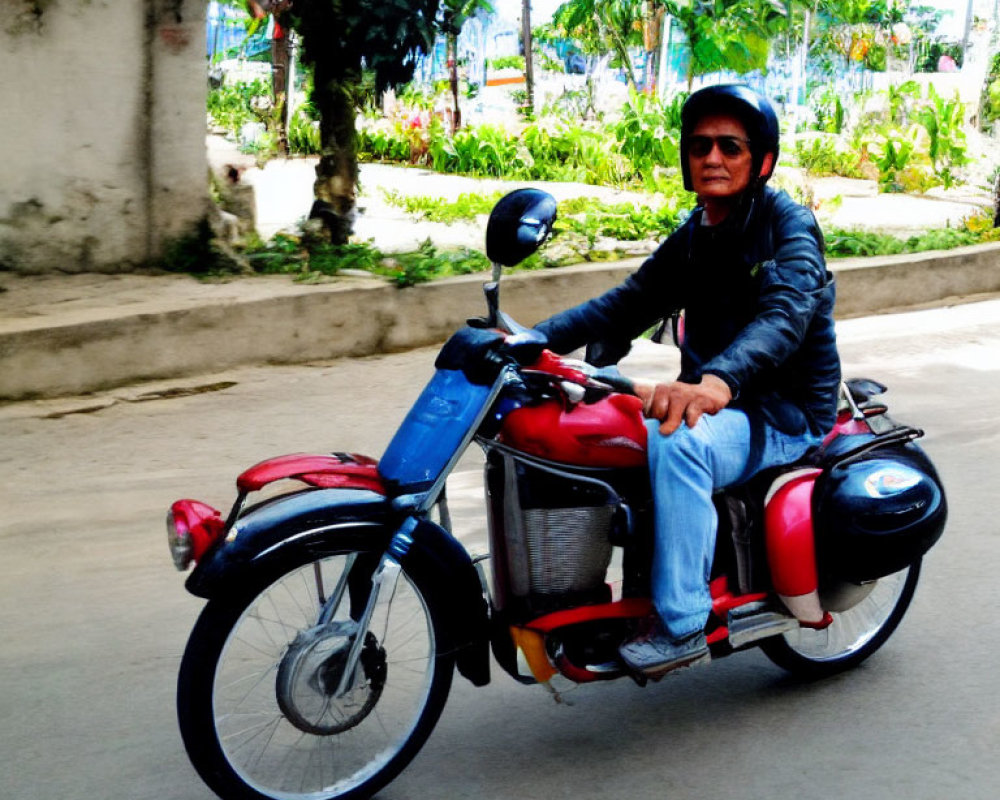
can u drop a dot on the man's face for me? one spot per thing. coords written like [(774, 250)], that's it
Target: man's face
[(719, 158)]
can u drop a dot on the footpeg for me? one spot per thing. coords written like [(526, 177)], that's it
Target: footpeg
[(756, 621)]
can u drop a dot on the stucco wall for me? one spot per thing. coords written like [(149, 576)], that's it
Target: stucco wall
[(102, 135)]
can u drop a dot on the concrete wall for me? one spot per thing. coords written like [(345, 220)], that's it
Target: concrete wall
[(102, 134), (277, 321)]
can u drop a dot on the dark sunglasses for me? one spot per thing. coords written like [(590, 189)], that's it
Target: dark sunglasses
[(729, 146)]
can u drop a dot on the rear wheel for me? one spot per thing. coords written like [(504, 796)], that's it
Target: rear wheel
[(265, 704), (855, 634)]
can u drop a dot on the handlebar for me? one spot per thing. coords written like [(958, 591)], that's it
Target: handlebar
[(482, 353)]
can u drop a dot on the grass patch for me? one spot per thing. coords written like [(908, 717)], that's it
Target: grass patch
[(977, 229), (439, 209), (588, 230), (587, 216)]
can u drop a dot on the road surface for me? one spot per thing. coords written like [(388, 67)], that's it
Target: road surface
[(94, 618)]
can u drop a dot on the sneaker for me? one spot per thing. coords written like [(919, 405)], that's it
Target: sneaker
[(656, 654)]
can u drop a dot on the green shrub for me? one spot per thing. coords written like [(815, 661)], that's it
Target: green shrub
[(648, 133), (944, 121), (842, 243), (892, 154), (829, 111), (823, 155), (485, 150), (384, 141), (989, 101), (303, 132), (231, 107), (428, 263), (306, 258), (506, 62), (626, 222), (416, 95), (438, 209)]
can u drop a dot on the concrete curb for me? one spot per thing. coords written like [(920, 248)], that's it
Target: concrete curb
[(366, 317)]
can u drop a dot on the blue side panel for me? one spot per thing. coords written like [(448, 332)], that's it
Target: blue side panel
[(433, 430)]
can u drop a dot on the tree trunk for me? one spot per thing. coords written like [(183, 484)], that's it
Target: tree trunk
[(529, 70), (279, 85), (456, 112), (652, 32), (335, 188)]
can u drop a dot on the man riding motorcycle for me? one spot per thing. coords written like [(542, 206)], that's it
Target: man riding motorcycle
[(759, 364)]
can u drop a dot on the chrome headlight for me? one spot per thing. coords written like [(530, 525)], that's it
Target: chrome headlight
[(179, 541)]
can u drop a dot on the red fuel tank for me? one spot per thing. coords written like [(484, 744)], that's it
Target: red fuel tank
[(606, 433)]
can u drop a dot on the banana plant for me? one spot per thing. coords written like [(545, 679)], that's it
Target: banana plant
[(943, 119)]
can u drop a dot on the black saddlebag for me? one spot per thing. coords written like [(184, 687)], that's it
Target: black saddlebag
[(875, 510)]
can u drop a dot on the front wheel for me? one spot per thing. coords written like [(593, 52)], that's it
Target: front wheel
[(855, 634), (266, 706)]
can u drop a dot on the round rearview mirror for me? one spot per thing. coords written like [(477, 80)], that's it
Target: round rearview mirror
[(519, 224)]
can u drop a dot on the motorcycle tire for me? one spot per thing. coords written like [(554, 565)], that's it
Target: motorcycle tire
[(854, 634), (261, 697)]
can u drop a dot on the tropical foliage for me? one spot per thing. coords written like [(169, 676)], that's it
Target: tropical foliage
[(553, 148), (913, 139), (603, 26), (989, 103), (907, 138)]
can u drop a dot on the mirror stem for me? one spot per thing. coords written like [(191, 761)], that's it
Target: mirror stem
[(492, 292)]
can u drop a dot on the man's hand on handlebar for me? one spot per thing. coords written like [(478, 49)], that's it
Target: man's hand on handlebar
[(672, 403)]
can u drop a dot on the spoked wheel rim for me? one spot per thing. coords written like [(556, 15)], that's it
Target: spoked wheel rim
[(287, 723), (854, 629)]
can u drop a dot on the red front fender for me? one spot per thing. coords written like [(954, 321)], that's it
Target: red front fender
[(334, 471)]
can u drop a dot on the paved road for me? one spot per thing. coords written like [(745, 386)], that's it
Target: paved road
[(94, 618)]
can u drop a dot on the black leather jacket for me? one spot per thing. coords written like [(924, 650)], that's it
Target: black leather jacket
[(758, 311)]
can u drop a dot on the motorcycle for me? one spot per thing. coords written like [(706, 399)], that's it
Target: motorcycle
[(340, 604)]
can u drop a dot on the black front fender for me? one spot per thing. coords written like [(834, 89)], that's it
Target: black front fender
[(283, 528), (313, 521)]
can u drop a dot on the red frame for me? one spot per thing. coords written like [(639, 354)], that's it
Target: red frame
[(723, 600)]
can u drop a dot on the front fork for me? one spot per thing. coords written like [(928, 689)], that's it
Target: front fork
[(383, 580)]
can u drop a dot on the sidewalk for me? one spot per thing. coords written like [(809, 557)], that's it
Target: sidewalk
[(72, 334)]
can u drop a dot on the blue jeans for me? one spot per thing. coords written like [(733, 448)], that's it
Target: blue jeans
[(685, 468)]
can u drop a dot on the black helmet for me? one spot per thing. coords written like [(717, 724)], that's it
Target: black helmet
[(753, 110)]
